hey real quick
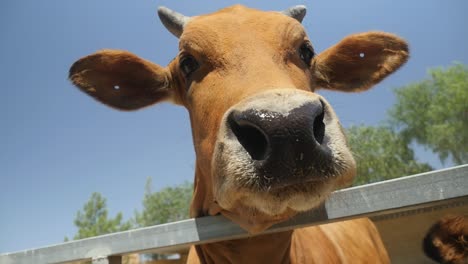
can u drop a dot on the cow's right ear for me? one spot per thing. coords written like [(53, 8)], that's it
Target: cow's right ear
[(121, 79), (359, 61)]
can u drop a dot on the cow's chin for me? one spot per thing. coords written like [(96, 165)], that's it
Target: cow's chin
[(245, 198), (256, 211)]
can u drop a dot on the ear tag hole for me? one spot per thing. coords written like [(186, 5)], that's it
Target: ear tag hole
[(116, 87), (362, 55)]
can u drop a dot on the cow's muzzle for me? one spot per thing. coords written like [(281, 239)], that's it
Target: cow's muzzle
[(286, 144)]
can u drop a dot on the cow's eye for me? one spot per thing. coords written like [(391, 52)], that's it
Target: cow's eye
[(188, 64), (306, 52)]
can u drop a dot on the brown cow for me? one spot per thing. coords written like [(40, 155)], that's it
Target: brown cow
[(267, 146), (447, 240)]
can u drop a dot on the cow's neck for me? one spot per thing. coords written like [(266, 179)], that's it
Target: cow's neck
[(269, 248)]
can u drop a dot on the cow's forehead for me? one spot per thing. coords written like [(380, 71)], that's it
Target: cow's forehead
[(239, 24)]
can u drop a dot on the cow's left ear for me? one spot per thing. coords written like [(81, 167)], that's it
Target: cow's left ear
[(121, 79), (359, 61)]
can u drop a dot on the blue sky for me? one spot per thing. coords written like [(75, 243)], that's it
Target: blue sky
[(58, 146)]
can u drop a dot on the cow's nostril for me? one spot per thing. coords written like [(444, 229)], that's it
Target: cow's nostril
[(319, 126), (250, 137)]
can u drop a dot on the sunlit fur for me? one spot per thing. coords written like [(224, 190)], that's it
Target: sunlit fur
[(244, 56)]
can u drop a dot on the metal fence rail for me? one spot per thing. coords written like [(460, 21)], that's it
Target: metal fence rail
[(383, 200)]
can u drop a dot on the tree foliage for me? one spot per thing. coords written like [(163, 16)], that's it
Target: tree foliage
[(434, 112), (93, 219), (381, 154), (168, 205)]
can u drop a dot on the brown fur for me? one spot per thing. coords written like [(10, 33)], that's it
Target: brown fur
[(243, 52), (447, 240)]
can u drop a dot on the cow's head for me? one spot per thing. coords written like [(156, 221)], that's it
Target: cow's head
[(267, 146)]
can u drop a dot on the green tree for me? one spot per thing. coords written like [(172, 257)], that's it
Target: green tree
[(434, 112), (93, 219), (168, 205), (381, 154)]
